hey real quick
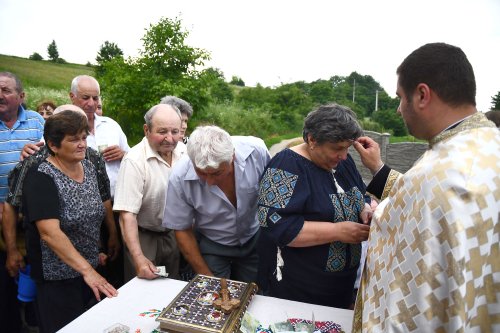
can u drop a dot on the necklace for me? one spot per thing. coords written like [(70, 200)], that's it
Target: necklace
[(76, 175)]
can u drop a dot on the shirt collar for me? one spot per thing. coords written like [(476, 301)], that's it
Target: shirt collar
[(150, 153), (241, 153), (21, 114)]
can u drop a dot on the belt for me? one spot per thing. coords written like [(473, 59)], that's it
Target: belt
[(152, 231)]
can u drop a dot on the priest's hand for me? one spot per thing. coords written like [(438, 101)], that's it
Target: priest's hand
[(369, 151)]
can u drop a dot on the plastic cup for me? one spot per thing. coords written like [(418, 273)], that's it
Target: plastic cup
[(26, 288)]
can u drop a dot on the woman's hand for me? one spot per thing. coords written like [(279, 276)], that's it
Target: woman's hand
[(98, 284), (351, 232)]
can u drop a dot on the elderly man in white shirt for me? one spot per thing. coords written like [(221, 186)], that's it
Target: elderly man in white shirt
[(140, 195), (212, 203)]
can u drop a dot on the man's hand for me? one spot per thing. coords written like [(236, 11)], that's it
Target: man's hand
[(29, 149), (366, 214), (14, 262), (113, 246), (113, 153), (369, 151), (103, 257), (144, 268)]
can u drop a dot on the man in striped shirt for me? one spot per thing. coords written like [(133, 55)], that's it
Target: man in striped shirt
[(17, 128)]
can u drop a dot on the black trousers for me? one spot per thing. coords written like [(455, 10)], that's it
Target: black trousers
[(60, 302), (10, 317)]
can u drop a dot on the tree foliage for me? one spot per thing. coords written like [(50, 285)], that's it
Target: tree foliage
[(391, 121), (166, 66), (237, 81), (107, 52), (35, 56), (495, 102), (52, 51)]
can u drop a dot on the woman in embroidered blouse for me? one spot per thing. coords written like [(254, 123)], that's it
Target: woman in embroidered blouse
[(314, 213), (63, 214)]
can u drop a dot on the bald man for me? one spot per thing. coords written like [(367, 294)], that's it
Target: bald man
[(140, 195)]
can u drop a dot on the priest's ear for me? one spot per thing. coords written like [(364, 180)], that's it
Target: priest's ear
[(423, 95)]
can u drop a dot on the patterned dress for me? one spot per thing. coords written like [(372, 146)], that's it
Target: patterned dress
[(293, 190), (50, 194), (433, 255)]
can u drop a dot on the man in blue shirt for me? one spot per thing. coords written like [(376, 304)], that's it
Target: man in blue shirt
[(212, 203), (17, 128)]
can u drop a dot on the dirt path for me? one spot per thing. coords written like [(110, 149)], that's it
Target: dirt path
[(280, 146)]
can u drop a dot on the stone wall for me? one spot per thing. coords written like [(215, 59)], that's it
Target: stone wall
[(400, 156)]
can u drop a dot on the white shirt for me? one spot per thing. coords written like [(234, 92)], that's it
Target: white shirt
[(142, 182), (108, 133)]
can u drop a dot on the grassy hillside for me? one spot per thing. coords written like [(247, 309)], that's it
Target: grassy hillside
[(43, 79)]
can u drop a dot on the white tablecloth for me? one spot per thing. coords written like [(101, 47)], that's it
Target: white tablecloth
[(139, 296)]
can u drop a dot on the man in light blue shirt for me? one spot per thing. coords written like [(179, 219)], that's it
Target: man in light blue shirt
[(212, 203), (17, 127)]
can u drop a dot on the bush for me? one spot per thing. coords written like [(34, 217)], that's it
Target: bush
[(34, 95), (61, 61), (235, 120), (36, 56)]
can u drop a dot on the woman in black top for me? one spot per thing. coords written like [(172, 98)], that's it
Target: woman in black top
[(63, 213)]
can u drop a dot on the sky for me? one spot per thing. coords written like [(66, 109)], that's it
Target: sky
[(270, 41)]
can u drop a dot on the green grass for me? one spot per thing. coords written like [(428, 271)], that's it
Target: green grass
[(43, 73), (278, 138), (407, 138)]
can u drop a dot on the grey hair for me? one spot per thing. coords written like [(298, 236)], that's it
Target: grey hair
[(19, 85), (74, 83), (183, 106), (148, 117), (331, 123), (209, 146)]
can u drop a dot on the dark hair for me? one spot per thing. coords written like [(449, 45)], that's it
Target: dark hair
[(43, 106), (19, 85), (64, 123), (331, 123), (444, 68), (494, 116)]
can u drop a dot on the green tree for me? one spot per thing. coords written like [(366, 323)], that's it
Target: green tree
[(107, 52), (391, 121), (237, 81), (321, 91), (220, 91), (35, 56), (52, 51), (166, 66), (495, 102)]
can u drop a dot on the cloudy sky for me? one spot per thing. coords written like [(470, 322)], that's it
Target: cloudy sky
[(270, 41)]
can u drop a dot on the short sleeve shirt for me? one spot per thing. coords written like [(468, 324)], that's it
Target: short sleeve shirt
[(142, 183), (27, 129), (50, 194), (191, 200)]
